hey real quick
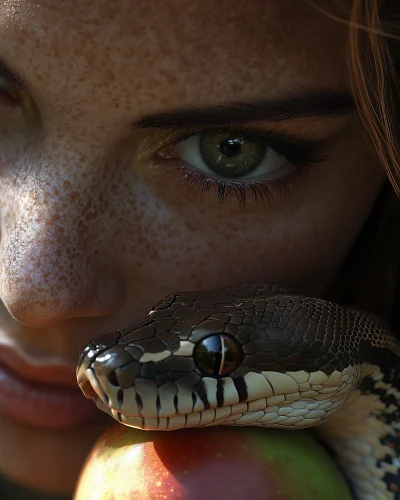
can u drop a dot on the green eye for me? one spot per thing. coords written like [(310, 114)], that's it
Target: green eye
[(231, 155), (217, 355)]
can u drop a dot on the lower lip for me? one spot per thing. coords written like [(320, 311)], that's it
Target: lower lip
[(43, 406)]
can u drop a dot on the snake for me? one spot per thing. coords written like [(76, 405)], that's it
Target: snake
[(259, 355)]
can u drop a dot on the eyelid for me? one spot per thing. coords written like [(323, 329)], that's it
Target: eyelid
[(9, 89), (10, 75), (249, 130)]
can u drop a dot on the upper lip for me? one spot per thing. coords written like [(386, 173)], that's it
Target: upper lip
[(59, 375)]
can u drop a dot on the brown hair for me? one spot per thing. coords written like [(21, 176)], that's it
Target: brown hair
[(370, 276), (373, 60), (374, 64)]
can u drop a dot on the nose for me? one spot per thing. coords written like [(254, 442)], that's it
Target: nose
[(54, 263)]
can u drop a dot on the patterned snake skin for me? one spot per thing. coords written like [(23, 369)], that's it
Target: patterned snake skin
[(259, 356)]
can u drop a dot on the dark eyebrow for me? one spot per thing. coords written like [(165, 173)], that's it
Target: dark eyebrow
[(302, 104), (13, 77)]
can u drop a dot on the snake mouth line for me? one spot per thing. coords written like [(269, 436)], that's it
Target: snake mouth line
[(194, 418), (284, 410), (254, 413), (205, 418), (234, 415)]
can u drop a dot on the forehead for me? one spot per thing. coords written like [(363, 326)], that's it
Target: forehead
[(170, 52)]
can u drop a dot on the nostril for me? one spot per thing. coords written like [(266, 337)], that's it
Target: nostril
[(88, 390)]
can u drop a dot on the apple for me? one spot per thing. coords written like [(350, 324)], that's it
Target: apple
[(216, 463)]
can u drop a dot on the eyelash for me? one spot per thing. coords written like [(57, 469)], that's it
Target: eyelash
[(302, 154)]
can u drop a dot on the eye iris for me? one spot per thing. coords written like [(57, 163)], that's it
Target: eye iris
[(232, 356), (231, 156), (217, 355)]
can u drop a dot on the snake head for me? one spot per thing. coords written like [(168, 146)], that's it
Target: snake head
[(253, 355)]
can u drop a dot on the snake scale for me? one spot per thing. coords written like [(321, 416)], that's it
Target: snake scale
[(259, 355)]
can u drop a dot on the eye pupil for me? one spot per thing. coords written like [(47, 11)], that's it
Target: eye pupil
[(217, 355), (231, 147)]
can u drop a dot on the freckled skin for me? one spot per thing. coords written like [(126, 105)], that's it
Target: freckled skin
[(91, 236)]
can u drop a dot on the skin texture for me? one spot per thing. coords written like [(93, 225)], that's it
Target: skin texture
[(95, 228)]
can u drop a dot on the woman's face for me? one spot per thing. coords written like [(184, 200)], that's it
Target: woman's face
[(125, 175)]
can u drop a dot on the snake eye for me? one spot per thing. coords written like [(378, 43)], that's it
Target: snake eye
[(217, 355)]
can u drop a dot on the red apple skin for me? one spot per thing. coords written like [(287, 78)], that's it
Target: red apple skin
[(218, 463)]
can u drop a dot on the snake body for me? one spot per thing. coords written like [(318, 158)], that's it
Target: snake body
[(258, 355)]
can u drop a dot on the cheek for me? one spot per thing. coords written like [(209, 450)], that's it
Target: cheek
[(178, 243), (186, 251)]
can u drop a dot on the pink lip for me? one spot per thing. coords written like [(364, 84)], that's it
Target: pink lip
[(43, 396)]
